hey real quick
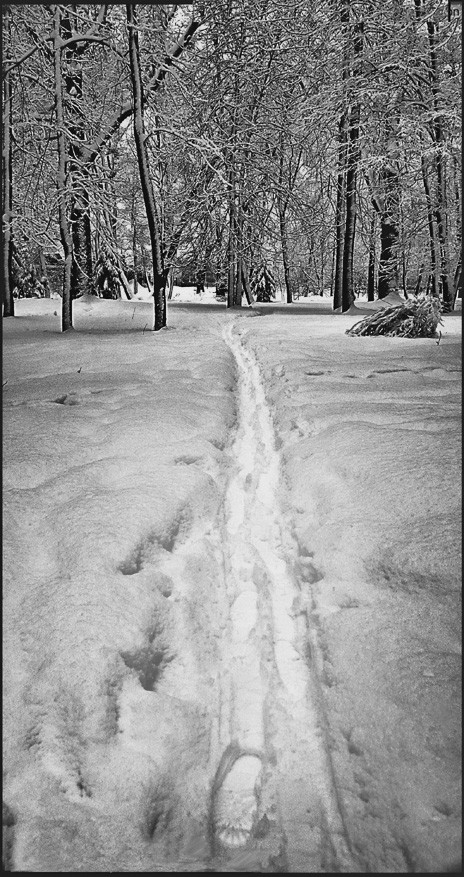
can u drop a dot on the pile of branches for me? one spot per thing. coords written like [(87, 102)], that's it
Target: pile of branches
[(416, 318)]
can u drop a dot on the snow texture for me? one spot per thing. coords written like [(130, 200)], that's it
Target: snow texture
[(231, 565)]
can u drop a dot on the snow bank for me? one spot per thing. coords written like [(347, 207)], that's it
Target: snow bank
[(113, 449), (362, 306), (133, 598), (370, 437)]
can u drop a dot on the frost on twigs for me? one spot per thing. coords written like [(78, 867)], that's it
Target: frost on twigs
[(416, 318)]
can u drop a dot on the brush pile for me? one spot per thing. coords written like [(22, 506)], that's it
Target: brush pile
[(416, 318)]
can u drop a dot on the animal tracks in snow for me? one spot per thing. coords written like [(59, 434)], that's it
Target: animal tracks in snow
[(213, 700), (271, 802)]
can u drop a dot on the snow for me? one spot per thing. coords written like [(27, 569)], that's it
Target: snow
[(180, 293), (231, 590), (362, 306)]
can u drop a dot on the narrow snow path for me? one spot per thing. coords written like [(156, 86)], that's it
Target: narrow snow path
[(274, 787)]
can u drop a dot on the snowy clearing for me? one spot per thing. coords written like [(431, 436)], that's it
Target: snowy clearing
[(231, 591)]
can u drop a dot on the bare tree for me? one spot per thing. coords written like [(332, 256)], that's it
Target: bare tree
[(8, 301), (159, 277), (66, 240)]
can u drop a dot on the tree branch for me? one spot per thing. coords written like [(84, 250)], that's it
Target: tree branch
[(90, 152)]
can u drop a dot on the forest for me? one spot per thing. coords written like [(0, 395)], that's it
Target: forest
[(223, 141)]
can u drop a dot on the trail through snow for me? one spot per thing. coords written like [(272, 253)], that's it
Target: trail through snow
[(279, 775)]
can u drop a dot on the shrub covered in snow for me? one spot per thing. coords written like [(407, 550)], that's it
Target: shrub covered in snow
[(416, 318), (107, 275), (29, 285), (263, 285)]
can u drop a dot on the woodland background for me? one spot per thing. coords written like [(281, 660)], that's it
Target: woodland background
[(315, 145)]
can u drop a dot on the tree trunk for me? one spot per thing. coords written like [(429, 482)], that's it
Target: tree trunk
[(239, 243), (135, 260), (388, 276), (81, 271), (332, 270), (351, 210), (352, 164), (458, 282), (234, 295), (340, 214), (340, 209), (81, 274), (457, 279), (232, 246), (385, 201), (281, 207), (66, 303), (285, 259), (124, 282), (322, 270), (170, 282), (404, 276), (371, 265), (431, 228), (8, 300), (388, 210), (246, 284), (43, 273), (231, 259), (418, 285), (440, 211), (238, 281), (159, 278), (348, 245)]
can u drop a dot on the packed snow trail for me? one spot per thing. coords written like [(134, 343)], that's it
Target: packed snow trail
[(273, 790)]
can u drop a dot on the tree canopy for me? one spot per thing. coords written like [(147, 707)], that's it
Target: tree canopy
[(318, 144)]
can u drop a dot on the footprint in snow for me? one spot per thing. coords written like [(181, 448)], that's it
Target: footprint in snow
[(235, 803)]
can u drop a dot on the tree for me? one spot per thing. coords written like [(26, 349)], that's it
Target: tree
[(8, 306), (414, 125), (318, 139), (66, 239), (438, 137), (159, 278), (349, 157)]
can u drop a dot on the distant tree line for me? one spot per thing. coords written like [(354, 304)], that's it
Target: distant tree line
[(317, 144)]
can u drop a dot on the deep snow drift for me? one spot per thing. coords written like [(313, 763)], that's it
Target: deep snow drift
[(231, 592)]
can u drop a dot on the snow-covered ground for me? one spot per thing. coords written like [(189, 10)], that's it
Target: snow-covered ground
[(231, 565)]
